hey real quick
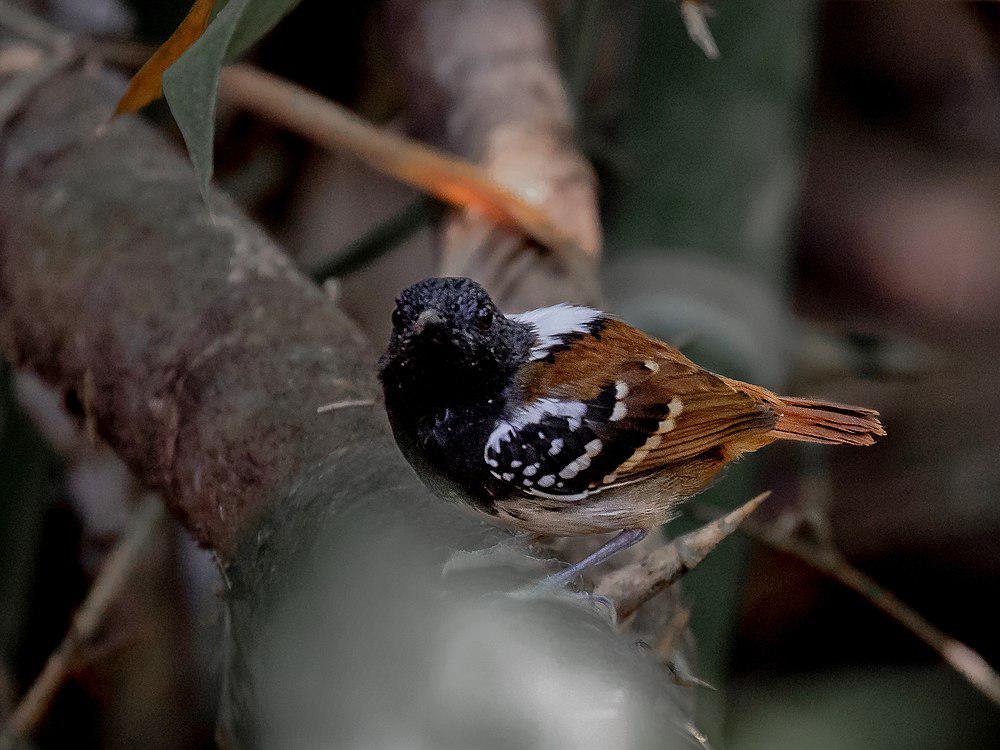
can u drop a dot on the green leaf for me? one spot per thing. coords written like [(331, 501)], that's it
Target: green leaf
[(191, 85)]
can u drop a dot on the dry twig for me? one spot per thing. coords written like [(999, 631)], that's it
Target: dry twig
[(87, 621), (828, 560), (450, 178), (14, 93), (632, 585), (671, 633), (346, 404), (331, 126), (693, 12)]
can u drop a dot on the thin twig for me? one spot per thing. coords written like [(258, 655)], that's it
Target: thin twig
[(693, 12), (348, 404), (16, 92), (960, 657), (31, 27), (142, 526), (697, 736), (666, 644), (447, 177), (671, 633), (632, 585)]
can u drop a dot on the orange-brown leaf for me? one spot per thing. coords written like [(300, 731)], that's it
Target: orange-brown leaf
[(147, 85)]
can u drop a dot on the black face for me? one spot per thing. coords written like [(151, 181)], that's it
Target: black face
[(450, 341)]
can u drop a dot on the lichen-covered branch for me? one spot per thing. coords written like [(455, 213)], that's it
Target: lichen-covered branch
[(185, 336)]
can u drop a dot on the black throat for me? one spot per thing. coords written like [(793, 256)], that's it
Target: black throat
[(426, 373), (444, 403)]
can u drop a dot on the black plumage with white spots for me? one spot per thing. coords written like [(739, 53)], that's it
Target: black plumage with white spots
[(565, 420)]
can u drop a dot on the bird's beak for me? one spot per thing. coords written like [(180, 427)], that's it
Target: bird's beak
[(429, 317)]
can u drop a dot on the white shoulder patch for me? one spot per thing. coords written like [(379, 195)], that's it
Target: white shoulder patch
[(552, 323), (533, 414)]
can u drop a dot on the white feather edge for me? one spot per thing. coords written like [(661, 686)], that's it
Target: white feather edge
[(551, 323), (533, 414)]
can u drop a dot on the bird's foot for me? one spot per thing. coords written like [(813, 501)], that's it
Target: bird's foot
[(623, 540)]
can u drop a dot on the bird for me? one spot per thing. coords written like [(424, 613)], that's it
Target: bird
[(566, 421)]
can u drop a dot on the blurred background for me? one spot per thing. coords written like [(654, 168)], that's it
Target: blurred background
[(816, 210)]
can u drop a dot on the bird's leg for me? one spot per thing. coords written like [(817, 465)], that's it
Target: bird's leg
[(623, 540)]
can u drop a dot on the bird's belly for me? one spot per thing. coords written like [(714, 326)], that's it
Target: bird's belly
[(606, 511), (641, 505)]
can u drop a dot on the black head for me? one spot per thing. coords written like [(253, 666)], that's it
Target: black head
[(448, 341)]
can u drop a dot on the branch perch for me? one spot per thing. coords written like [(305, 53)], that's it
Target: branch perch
[(632, 585)]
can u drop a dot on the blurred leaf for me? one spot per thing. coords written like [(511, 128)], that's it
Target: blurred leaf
[(147, 85), (191, 84)]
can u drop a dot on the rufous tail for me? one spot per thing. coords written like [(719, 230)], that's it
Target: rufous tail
[(814, 421)]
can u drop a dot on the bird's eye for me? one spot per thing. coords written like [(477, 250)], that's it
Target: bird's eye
[(484, 318), (397, 319)]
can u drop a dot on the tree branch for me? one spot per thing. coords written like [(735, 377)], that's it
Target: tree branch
[(632, 585), (956, 654), (329, 125)]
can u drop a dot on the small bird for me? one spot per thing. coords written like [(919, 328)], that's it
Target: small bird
[(565, 421)]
